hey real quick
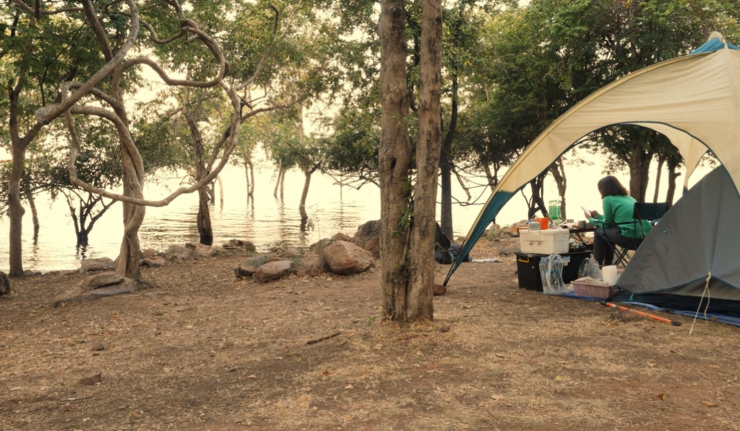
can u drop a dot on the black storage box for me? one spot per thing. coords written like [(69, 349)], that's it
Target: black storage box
[(528, 268)]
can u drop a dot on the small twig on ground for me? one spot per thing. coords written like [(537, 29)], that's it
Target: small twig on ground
[(77, 399), (318, 340)]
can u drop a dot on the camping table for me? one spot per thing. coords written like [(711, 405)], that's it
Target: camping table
[(578, 231)]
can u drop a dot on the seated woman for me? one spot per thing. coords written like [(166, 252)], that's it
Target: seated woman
[(616, 225)]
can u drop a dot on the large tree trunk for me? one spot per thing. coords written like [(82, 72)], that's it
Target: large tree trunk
[(558, 172), (302, 206), (419, 297), (205, 230), (639, 164), (393, 159), (16, 211), (537, 202)]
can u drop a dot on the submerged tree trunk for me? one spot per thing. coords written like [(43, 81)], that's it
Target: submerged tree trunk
[(302, 206), (34, 215), (205, 230), (419, 297), (393, 159), (251, 179), (277, 183)]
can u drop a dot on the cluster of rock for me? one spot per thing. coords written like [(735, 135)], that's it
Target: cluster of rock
[(340, 254)]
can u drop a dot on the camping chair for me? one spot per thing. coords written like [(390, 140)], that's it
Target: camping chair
[(642, 211)]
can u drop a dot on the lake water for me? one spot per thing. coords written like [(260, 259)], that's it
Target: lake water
[(265, 220)]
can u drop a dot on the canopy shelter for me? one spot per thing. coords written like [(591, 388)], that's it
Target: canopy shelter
[(693, 100), (694, 247)]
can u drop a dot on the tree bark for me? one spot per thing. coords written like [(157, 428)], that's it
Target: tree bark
[(277, 184), (537, 202), (251, 178), (639, 164), (492, 177), (203, 219), (419, 297), (393, 159), (16, 211), (205, 230)]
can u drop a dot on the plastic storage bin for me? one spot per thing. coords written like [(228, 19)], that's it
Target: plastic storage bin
[(528, 268), (544, 241)]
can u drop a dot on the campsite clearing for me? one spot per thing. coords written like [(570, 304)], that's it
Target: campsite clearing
[(206, 352)]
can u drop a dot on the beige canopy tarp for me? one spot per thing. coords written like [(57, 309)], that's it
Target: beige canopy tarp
[(694, 100)]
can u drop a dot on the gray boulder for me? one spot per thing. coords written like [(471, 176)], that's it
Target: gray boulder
[(346, 258), (248, 267), (179, 252), (200, 250), (311, 265), (99, 264), (368, 237), (4, 284), (97, 286), (319, 246), (148, 253), (274, 270), (154, 262), (341, 237), (238, 244)]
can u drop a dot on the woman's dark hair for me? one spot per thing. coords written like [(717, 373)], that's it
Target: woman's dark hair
[(610, 186)]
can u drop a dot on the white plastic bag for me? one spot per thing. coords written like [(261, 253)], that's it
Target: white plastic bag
[(551, 272)]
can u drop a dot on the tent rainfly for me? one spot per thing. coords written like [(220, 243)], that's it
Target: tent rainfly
[(691, 255), (694, 100)]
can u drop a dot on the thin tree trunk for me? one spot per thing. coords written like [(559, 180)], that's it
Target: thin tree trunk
[(304, 195), (34, 215), (661, 160), (251, 176), (16, 211), (205, 229), (673, 174), (220, 190), (393, 159), (446, 165), (462, 184), (639, 165), (419, 297), (537, 203), (277, 184), (282, 186), (558, 172), (492, 179)]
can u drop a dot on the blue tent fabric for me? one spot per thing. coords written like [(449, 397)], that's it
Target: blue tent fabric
[(712, 45), (486, 216)]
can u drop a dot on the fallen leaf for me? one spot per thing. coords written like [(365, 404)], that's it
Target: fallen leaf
[(348, 387), (251, 376), (663, 396), (709, 404), (326, 373), (496, 397), (303, 399)]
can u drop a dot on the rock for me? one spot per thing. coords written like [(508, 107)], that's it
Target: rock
[(249, 267), (148, 253), (30, 273), (319, 246), (368, 237), (239, 244), (200, 250), (311, 265), (508, 251), (274, 270), (97, 286), (289, 253), (346, 258), (341, 237), (179, 252), (89, 381), (4, 284), (439, 290), (97, 347), (154, 262), (99, 264)]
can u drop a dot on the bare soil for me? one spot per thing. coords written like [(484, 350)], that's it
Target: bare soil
[(202, 351)]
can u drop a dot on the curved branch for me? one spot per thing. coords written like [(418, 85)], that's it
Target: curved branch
[(30, 10)]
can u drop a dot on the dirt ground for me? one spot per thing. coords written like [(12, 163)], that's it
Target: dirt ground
[(206, 352)]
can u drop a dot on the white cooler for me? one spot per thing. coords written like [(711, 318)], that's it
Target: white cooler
[(546, 241)]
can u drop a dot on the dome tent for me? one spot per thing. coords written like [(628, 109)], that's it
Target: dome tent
[(694, 100), (697, 239)]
